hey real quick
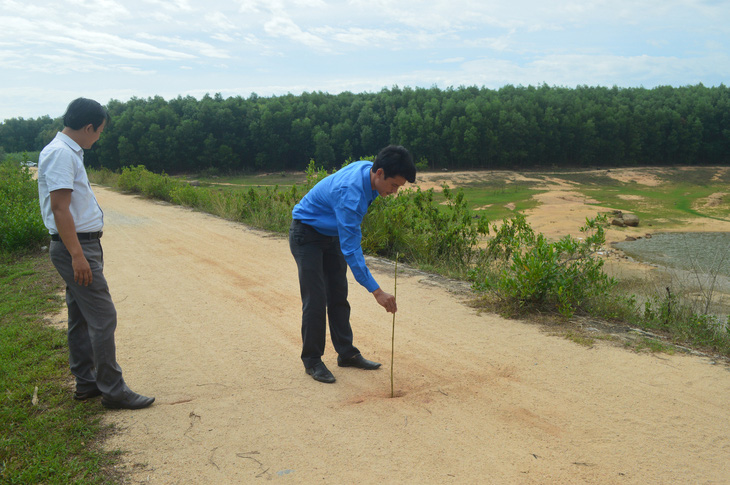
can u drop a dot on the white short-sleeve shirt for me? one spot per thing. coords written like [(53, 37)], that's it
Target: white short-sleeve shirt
[(61, 166)]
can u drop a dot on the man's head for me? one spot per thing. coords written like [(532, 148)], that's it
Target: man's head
[(391, 169), (82, 112), (84, 121)]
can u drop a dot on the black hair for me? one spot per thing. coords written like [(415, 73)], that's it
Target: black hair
[(395, 160), (82, 112)]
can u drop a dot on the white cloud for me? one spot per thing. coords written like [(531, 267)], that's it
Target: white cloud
[(202, 48), (450, 60), (219, 21), (222, 37), (281, 26), (100, 13), (357, 36), (111, 48), (310, 3), (136, 71), (171, 5), (252, 6)]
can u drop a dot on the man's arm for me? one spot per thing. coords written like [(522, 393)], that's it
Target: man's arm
[(348, 226), (60, 203)]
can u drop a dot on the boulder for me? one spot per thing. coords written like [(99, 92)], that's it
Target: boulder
[(631, 220), (622, 220)]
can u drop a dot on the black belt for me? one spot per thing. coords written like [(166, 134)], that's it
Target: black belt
[(83, 236)]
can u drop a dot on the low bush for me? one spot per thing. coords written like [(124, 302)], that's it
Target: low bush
[(416, 227), (141, 181), (21, 224), (530, 274), (670, 315), (103, 176)]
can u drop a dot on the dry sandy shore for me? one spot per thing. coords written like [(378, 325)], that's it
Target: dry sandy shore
[(209, 324)]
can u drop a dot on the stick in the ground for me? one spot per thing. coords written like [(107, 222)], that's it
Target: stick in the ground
[(392, 339)]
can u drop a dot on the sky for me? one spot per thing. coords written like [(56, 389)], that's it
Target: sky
[(52, 52)]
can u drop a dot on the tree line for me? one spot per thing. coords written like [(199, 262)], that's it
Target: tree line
[(455, 128)]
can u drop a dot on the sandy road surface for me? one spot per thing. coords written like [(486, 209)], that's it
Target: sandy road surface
[(209, 324)]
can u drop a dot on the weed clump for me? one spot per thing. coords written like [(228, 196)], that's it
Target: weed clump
[(529, 274), (21, 224)]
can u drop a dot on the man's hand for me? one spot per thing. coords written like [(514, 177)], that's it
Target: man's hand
[(60, 203), (386, 300), (82, 270)]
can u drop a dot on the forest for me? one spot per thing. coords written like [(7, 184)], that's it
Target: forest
[(513, 127)]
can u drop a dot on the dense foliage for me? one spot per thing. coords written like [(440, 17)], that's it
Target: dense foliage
[(530, 274), (21, 225), (18, 134), (424, 232), (468, 127)]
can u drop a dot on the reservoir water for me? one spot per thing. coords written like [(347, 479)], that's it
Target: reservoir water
[(699, 252)]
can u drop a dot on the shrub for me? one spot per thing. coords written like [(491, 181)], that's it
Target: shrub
[(102, 176), (416, 227), (188, 196), (676, 318), (21, 224), (530, 274), (141, 181)]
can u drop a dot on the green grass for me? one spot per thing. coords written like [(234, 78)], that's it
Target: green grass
[(57, 440), (662, 207), (247, 181), (492, 202), (677, 197), (587, 178), (652, 345), (489, 197), (579, 338)]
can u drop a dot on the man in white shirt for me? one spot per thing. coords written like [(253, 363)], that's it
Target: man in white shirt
[(75, 221)]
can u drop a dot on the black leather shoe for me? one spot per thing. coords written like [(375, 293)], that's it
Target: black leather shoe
[(131, 400), (83, 396), (321, 373), (358, 361)]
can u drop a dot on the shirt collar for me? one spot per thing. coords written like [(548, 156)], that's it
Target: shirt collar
[(366, 185), (69, 141)]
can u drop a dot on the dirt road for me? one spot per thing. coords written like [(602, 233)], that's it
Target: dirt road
[(209, 324)]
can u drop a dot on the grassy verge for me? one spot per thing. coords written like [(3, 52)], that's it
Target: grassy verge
[(49, 438)]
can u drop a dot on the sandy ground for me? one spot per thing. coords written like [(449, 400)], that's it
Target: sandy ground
[(209, 317), (562, 210)]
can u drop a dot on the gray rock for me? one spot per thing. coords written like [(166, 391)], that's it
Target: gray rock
[(631, 220)]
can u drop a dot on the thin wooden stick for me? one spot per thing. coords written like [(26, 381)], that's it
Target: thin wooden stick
[(392, 340)]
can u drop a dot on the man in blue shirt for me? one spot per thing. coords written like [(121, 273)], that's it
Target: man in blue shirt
[(324, 238)]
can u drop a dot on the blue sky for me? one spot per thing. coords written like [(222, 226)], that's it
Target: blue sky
[(54, 51)]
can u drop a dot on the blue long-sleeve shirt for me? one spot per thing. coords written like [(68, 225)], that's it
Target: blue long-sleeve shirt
[(336, 207)]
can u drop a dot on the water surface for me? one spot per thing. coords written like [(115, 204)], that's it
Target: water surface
[(702, 252)]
